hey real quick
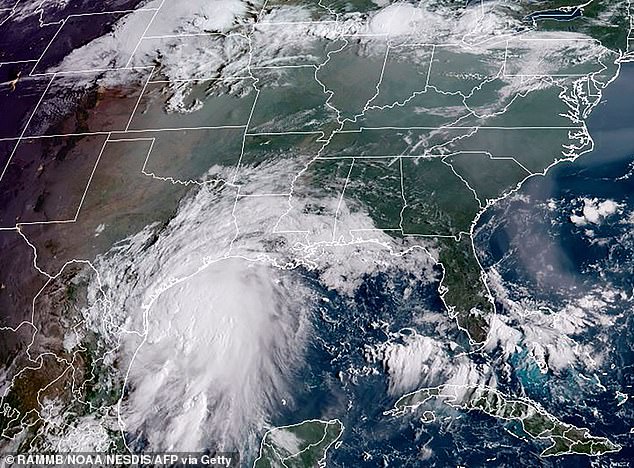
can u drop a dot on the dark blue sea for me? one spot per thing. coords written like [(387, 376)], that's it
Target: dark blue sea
[(532, 241), (544, 261)]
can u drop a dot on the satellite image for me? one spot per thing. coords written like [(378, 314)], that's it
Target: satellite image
[(325, 233)]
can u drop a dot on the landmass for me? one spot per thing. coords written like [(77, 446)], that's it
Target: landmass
[(607, 22), (535, 422), (423, 130), (301, 445)]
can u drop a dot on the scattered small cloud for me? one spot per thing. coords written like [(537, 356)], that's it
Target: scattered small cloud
[(595, 211)]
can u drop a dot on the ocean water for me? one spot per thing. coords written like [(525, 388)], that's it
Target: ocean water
[(558, 260), (532, 245), (530, 240)]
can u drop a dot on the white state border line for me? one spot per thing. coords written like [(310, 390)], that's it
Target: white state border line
[(119, 404), (459, 127), (138, 102), (391, 157), (226, 35), (184, 35), (81, 201), (291, 132), (24, 135), (150, 131), (135, 132), (157, 10), (275, 67), (40, 10), (63, 22), (26, 126), (143, 172), (523, 38), (151, 21), (16, 62), (289, 23), (91, 70), (202, 79), (48, 46), (145, 32), (466, 127)]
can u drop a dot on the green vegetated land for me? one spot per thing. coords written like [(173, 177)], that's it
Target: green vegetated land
[(302, 445), (606, 21), (448, 131), (531, 420), (452, 144)]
